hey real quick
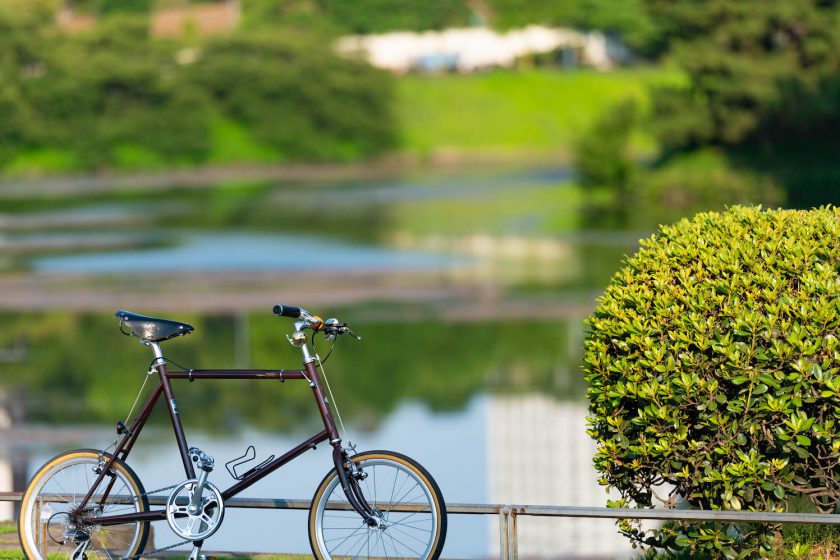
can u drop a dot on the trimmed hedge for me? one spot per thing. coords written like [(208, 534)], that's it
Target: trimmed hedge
[(712, 364)]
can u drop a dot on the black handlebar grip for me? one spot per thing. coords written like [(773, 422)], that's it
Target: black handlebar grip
[(287, 311)]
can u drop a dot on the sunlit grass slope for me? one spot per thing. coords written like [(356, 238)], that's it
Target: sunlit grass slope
[(537, 110)]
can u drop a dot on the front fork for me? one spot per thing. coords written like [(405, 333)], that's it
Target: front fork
[(350, 485)]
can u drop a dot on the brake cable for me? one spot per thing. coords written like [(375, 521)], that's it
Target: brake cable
[(344, 429)]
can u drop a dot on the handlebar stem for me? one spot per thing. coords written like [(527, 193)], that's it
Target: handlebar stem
[(307, 356)]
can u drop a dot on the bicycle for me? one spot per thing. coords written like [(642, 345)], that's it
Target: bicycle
[(90, 503)]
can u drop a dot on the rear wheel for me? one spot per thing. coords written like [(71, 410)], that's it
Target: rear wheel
[(407, 503), (50, 522)]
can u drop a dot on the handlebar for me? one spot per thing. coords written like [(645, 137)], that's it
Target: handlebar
[(331, 327), (288, 311)]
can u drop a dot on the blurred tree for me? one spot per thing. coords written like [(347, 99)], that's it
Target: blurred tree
[(298, 96), (115, 89), (377, 16), (764, 83), (627, 18), (602, 156), (362, 16), (26, 34), (115, 96), (108, 7), (745, 60)]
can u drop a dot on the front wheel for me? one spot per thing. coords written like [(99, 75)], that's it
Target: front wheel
[(409, 512), (51, 522)]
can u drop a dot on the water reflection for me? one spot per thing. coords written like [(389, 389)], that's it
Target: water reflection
[(206, 252), (469, 293), (78, 368)]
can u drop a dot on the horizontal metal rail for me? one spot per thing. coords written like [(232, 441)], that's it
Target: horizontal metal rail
[(723, 516), (508, 514)]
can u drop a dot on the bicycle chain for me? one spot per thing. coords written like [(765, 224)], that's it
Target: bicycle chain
[(155, 551), (162, 549)]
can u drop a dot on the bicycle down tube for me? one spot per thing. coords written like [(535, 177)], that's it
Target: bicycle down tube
[(309, 373)]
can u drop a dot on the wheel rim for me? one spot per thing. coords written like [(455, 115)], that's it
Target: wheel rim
[(389, 488), (58, 491)]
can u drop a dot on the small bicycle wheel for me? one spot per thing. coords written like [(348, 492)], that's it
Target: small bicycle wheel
[(49, 519), (407, 503)]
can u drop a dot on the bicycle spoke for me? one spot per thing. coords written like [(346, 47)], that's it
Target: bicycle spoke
[(390, 536), (351, 535), (397, 534), (406, 534), (61, 489), (384, 549), (395, 502), (359, 538)]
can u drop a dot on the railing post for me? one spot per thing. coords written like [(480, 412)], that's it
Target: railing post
[(508, 545), (514, 537), (504, 547)]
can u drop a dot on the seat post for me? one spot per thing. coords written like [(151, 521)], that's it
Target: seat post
[(156, 349), (160, 365)]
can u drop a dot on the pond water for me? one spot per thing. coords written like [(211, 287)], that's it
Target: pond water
[(207, 251), (469, 293)]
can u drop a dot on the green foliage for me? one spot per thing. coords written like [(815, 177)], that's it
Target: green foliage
[(628, 18), (745, 59), (97, 92), (364, 16), (713, 378), (117, 97), (693, 182), (109, 7), (625, 17), (378, 16), (763, 85), (602, 155), (298, 97)]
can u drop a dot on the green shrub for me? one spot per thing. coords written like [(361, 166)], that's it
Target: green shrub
[(712, 363)]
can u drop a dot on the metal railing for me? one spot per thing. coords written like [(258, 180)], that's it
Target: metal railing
[(508, 514)]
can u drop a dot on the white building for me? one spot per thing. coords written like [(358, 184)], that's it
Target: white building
[(478, 48)]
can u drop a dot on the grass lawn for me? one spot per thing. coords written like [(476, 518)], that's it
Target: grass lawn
[(538, 110), (531, 210)]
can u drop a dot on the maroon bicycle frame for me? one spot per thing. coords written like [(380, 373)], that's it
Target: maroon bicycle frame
[(329, 433)]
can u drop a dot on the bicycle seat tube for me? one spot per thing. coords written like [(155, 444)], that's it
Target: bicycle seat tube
[(160, 365)]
